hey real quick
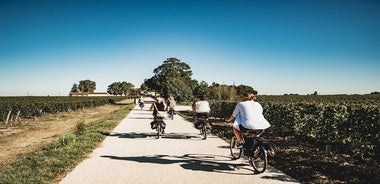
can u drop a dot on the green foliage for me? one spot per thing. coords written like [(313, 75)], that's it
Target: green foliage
[(178, 89), (173, 77), (66, 139), (87, 86), (222, 92), (80, 128), (74, 88), (201, 89), (350, 122), (120, 88), (222, 109)]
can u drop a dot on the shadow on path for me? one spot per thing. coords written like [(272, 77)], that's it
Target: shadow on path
[(207, 163), (195, 162), (134, 135)]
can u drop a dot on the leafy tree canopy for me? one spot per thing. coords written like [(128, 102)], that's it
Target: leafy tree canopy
[(173, 77), (74, 88), (87, 86), (120, 88)]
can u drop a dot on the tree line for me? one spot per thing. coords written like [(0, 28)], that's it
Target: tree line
[(116, 88), (174, 77)]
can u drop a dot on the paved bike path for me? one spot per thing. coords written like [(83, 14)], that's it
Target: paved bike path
[(132, 154)]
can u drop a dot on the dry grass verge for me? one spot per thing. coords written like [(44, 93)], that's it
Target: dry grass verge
[(29, 134), (48, 161)]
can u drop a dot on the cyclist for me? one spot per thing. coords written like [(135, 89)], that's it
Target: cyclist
[(247, 115), (156, 106), (141, 101), (202, 109), (170, 104)]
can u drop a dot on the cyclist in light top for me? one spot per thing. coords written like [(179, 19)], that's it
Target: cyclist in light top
[(248, 114), (201, 108)]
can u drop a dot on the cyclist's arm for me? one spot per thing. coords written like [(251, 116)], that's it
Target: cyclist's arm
[(151, 107), (231, 119), (193, 107)]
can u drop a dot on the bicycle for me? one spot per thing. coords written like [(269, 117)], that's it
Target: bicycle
[(203, 125), (160, 126), (159, 122), (171, 113), (141, 104), (252, 149)]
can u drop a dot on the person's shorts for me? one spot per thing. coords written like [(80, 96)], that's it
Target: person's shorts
[(241, 128)]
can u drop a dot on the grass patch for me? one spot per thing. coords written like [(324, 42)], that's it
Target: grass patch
[(51, 161)]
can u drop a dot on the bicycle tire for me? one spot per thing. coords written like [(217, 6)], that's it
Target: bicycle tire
[(235, 152), (171, 114), (204, 132), (259, 159), (158, 130)]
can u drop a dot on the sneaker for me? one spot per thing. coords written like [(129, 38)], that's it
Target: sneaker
[(240, 146)]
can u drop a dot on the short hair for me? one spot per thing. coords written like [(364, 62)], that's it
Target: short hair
[(246, 96)]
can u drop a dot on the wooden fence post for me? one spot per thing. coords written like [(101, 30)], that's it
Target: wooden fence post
[(8, 116), (17, 116)]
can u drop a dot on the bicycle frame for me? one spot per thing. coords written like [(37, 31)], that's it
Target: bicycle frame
[(203, 120), (252, 149)]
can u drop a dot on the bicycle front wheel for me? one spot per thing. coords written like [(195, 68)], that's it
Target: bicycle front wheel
[(171, 113), (258, 159), (235, 152)]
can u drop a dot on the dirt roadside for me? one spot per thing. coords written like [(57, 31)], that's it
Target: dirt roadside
[(29, 134)]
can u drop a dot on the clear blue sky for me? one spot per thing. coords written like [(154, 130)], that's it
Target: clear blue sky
[(277, 47)]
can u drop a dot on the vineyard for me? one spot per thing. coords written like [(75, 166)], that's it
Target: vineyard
[(349, 121), (30, 107)]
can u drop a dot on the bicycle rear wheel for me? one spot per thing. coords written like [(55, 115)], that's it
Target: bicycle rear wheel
[(158, 130), (235, 152), (204, 132), (259, 159)]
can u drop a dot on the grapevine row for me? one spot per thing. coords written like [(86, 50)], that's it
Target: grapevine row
[(36, 106), (354, 125)]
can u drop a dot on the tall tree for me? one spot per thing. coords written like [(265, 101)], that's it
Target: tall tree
[(87, 86), (202, 89), (173, 77), (126, 88), (75, 88), (120, 88)]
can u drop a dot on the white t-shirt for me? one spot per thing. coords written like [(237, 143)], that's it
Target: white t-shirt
[(202, 107), (249, 114)]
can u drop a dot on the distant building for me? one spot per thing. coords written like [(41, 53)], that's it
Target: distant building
[(89, 94)]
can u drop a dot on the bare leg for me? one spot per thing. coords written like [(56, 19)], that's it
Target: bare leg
[(238, 135)]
